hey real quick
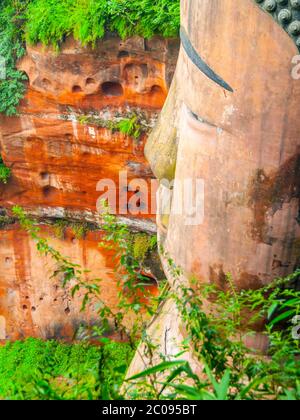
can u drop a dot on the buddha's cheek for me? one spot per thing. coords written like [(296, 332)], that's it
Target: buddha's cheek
[(208, 228), (193, 193)]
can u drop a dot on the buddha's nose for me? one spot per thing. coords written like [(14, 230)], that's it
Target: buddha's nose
[(161, 147)]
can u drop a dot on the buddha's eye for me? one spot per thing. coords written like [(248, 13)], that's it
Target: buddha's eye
[(193, 115)]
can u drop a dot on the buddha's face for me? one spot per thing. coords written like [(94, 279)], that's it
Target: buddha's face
[(232, 124)]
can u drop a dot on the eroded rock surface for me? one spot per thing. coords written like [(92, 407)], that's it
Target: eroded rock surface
[(59, 147), (35, 304)]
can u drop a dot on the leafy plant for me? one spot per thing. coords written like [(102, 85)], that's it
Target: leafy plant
[(134, 295), (142, 244), (34, 369), (12, 16), (130, 126), (59, 227), (113, 364), (229, 370), (80, 229), (5, 172), (51, 21)]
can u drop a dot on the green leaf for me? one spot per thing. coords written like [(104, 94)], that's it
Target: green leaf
[(162, 367), (192, 393), (222, 388), (285, 315), (272, 309)]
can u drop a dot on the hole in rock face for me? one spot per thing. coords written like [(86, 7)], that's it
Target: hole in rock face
[(156, 89), (123, 54), (68, 136), (33, 309), (48, 191), (112, 89), (67, 311), (46, 84), (44, 176), (8, 260), (24, 307), (145, 71), (90, 81), (134, 72), (76, 89)]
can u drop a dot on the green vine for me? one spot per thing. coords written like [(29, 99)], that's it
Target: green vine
[(142, 244)]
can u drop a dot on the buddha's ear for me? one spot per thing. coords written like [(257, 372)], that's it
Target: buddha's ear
[(161, 147)]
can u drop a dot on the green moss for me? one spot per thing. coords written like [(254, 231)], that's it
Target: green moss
[(5, 221), (142, 244), (59, 227), (34, 369), (79, 229)]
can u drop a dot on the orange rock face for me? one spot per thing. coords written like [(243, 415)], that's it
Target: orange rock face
[(58, 136), (34, 304), (58, 148)]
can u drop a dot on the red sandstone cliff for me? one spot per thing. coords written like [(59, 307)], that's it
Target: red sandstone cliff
[(58, 150)]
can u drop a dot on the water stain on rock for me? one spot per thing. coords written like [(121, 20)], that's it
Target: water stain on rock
[(268, 193)]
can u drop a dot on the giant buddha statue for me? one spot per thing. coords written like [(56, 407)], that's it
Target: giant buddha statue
[(231, 122)]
